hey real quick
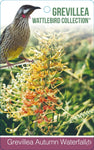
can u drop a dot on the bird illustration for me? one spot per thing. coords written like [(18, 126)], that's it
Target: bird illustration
[(15, 37)]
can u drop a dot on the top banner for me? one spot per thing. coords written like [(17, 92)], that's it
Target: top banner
[(53, 12)]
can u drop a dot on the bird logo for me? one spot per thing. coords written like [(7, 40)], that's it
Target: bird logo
[(15, 37)]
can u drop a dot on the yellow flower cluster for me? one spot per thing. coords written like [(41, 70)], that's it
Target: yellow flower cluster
[(34, 90)]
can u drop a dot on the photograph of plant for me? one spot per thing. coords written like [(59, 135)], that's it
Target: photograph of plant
[(54, 94)]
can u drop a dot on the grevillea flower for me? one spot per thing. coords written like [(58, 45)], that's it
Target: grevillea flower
[(33, 92)]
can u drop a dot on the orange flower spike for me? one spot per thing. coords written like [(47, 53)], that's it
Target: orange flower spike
[(50, 98), (46, 119), (34, 94), (36, 103), (42, 92), (30, 95), (40, 111), (45, 100), (27, 103), (49, 107), (51, 91), (29, 111), (52, 107), (46, 90), (24, 110), (42, 99), (53, 99), (39, 91), (36, 111), (45, 107)]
